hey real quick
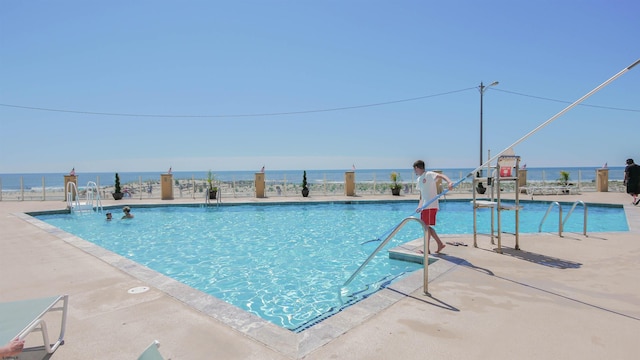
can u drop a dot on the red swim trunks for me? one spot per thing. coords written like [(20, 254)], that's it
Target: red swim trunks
[(428, 216)]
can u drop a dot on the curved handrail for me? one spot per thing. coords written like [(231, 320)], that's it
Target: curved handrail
[(73, 197), (584, 225), (384, 243), (559, 220), (72, 190), (92, 188)]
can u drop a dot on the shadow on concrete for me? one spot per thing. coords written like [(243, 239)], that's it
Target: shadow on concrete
[(463, 262), (541, 259), (426, 299), (34, 353)]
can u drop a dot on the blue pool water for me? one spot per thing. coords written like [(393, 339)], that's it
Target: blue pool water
[(287, 263)]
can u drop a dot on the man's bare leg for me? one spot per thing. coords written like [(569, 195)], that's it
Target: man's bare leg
[(432, 232), (420, 251)]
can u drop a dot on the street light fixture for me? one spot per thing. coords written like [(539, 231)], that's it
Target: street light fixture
[(482, 89)]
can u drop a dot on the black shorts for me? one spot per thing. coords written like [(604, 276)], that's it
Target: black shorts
[(633, 187)]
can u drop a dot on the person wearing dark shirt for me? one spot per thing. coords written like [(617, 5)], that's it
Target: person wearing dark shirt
[(632, 180)]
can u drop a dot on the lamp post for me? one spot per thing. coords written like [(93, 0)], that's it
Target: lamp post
[(482, 89)]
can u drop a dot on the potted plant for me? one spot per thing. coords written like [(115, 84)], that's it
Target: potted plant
[(305, 189), (117, 193), (213, 190), (396, 186)]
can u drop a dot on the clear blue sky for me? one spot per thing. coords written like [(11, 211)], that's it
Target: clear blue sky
[(187, 74)]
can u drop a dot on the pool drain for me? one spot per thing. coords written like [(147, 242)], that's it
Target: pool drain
[(138, 290)]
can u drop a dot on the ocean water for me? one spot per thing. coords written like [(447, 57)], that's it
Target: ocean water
[(14, 182)]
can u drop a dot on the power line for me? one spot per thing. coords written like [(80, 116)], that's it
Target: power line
[(303, 111), (562, 101), (240, 115)]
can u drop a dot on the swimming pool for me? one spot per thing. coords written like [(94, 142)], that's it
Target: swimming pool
[(287, 262)]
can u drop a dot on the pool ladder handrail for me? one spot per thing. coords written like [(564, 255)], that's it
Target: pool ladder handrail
[(72, 196), (384, 242), (562, 222), (584, 222), (92, 201), (93, 195), (547, 213)]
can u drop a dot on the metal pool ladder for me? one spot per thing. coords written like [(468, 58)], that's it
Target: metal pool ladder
[(384, 242), (92, 201), (561, 222)]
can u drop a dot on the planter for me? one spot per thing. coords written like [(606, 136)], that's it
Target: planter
[(213, 194), (396, 185), (305, 192), (117, 196)]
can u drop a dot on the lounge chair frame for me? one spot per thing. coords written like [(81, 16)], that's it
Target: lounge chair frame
[(14, 315)]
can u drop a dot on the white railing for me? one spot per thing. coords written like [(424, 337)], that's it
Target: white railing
[(92, 201), (15, 189)]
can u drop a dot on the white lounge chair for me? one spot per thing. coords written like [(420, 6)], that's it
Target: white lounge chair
[(152, 352), (19, 318)]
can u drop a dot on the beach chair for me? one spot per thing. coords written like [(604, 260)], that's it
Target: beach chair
[(152, 352), (20, 318)]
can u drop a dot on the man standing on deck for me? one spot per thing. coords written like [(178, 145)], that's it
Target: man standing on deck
[(632, 180), (426, 184)]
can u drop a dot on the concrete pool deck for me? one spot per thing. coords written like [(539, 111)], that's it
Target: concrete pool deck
[(558, 297)]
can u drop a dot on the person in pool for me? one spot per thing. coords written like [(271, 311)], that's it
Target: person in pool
[(127, 213), (109, 216)]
